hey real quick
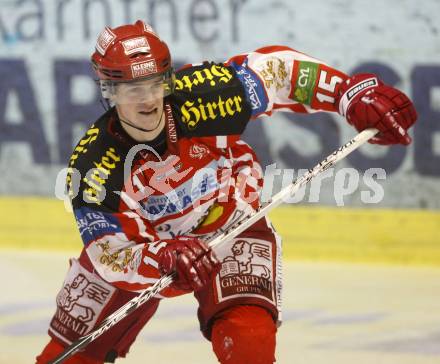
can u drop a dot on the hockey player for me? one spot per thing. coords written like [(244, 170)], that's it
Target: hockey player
[(164, 170)]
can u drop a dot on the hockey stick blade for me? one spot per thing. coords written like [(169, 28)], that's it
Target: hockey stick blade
[(241, 226)]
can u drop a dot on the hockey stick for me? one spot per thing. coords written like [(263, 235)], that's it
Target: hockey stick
[(165, 281)]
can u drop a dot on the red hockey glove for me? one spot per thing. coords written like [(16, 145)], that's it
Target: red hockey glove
[(191, 259), (367, 102)]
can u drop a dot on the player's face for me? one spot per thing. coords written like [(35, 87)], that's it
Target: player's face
[(141, 102)]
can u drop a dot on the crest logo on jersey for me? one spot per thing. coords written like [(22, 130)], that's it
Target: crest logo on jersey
[(143, 69), (119, 260), (274, 73), (247, 270), (104, 41), (135, 45), (198, 151)]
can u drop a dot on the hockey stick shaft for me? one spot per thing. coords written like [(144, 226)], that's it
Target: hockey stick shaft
[(165, 281), (290, 190)]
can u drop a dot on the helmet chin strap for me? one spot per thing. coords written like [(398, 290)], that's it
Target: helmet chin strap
[(142, 129)]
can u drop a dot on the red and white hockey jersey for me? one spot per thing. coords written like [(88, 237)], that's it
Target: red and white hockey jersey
[(128, 200)]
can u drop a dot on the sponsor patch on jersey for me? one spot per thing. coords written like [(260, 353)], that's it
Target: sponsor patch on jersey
[(202, 184), (194, 112), (93, 224), (213, 101), (136, 45), (81, 148), (204, 77), (97, 177), (171, 124), (254, 89), (246, 270), (306, 74), (143, 69), (104, 41), (79, 303)]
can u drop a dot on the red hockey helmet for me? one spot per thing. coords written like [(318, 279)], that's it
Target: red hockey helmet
[(131, 54)]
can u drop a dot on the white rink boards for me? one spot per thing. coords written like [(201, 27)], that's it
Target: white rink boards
[(333, 313)]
